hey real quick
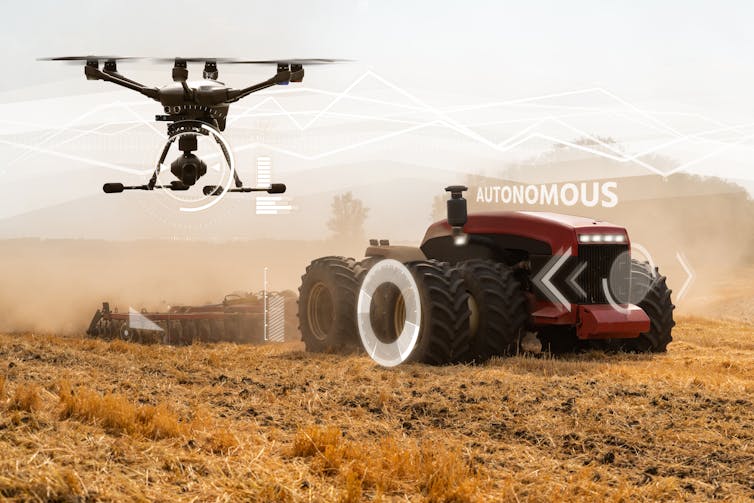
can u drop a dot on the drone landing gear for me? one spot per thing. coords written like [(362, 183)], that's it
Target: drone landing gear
[(114, 188), (188, 168), (216, 190)]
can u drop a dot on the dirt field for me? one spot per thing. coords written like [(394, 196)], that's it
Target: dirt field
[(84, 418)]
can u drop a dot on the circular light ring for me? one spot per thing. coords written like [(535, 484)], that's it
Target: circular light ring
[(212, 200), (395, 352), (637, 294)]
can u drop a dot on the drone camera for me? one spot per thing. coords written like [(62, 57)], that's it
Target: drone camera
[(188, 169)]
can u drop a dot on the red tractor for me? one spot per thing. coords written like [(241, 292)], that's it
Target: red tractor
[(489, 284)]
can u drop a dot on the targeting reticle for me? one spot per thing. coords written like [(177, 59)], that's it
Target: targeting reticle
[(210, 200), (405, 310)]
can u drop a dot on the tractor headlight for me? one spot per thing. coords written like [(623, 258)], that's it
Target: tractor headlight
[(602, 238)]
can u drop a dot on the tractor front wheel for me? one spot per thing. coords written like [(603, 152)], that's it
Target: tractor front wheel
[(649, 291), (498, 309)]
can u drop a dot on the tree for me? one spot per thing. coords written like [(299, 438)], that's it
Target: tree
[(348, 216)]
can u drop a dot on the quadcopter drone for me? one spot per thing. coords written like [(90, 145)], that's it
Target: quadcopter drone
[(192, 109)]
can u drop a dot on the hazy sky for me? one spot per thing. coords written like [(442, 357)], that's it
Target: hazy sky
[(698, 54), (679, 77)]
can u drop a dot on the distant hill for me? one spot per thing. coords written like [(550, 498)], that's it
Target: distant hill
[(391, 190)]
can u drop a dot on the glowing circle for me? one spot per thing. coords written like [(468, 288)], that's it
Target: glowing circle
[(212, 200), (395, 352)]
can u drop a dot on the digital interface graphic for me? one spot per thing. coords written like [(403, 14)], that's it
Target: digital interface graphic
[(349, 250)]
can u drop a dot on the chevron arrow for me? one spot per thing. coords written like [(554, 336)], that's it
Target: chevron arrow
[(543, 278), (690, 275), (571, 280)]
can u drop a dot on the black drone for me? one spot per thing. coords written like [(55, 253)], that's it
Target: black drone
[(191, 108)]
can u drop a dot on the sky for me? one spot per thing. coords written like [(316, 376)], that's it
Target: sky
[(673, 78), (686, 52)]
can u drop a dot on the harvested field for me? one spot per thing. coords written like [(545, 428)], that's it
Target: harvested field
[(112, 420)]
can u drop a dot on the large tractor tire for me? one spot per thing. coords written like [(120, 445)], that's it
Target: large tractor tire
[(498, 309), (327, 304), (441, 327), (444, 335), (649, 291)]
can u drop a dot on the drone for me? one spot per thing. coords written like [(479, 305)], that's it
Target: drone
[(193, 108)]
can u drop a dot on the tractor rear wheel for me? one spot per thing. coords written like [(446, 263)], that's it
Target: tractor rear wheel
[(327, 304), (498, 309), (649, 291), (444, 335)]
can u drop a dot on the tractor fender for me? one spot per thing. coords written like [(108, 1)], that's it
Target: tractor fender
[(402, 254)]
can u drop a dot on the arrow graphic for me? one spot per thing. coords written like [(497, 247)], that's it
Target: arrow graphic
[(543, 278), (141, 322), (691, 275), (571, 280)]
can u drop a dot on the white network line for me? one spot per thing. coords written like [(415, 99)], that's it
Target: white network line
[(442, 120), (84, 160), (125, 106)]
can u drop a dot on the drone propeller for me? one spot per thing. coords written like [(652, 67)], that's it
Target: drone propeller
[(235, 61), (311, 61), (190, 60), (75, 59), (195, 59), (295, 66)]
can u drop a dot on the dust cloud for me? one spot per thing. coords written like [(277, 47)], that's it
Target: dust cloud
[(56, 285)]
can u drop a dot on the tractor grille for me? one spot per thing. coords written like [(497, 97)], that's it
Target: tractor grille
[(608, 261)]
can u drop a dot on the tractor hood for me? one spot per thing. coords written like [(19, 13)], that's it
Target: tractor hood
[(558, 231)]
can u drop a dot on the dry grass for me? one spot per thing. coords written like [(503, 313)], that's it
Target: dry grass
[(83, 419), (393, 465), (116, 414), (26, 398)]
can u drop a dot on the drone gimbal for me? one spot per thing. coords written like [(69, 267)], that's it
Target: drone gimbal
[(193, 109)]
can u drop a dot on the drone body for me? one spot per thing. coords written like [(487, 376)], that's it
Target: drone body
[(193, 108), (177, 107)]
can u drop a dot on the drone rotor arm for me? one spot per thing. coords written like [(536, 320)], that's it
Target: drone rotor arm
[(92, 72), (117, 75), (279, 78)]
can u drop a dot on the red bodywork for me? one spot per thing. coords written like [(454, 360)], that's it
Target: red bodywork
[(561, 233)]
